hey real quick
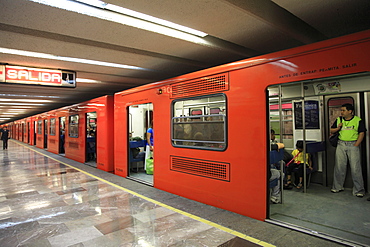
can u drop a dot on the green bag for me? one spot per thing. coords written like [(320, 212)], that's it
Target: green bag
[(149, 166)]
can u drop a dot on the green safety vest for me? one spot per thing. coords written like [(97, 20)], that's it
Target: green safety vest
[(349, 130)]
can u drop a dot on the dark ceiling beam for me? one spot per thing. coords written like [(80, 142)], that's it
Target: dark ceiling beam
[(274, 15), (231, 47)]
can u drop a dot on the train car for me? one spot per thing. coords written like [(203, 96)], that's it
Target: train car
[(212, 127), (88, 133)]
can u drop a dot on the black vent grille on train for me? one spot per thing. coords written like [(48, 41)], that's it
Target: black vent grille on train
[(204, 85), (203, 168)]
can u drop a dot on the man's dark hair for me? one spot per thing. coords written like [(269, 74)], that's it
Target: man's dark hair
[(349, 107), (272, 131)]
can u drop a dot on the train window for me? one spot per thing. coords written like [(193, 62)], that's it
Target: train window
[(287, 120), (39, 127), (200, 122), (73, 126), (52, 127)]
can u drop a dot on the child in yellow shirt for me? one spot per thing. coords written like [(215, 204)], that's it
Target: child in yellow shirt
[(298, 163)]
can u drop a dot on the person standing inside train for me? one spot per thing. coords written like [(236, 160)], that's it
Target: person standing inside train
[(5, 137), (149, 145), (150, 137), (351, 133)]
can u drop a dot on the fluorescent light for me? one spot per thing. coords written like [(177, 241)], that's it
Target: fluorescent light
[(15, 106), (27, 100), (87, 80), (16, 110), (3, 103), (29, 96), (156, 20), (96, 3), (68, 59), (128, 17)]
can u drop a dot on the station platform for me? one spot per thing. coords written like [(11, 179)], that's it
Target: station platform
[(49, 200)]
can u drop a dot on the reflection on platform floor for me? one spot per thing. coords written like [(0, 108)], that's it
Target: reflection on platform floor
[(46, 203)]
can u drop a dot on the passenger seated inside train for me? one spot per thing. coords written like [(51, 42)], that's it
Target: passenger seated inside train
[(274, 174), (91, 146), (296, 165)]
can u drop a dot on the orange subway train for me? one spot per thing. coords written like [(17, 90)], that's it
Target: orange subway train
[(213, 129)]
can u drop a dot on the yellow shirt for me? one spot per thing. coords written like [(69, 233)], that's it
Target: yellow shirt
[(299, 158)]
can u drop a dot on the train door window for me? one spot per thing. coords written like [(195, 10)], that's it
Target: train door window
[(52, 127), (39, 127), (286, 123), (334, 106), (91, 128), (140, 121), (200, 122), (73, 126)]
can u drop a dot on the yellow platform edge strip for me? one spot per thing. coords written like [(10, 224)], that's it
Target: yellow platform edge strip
[(194, 217)]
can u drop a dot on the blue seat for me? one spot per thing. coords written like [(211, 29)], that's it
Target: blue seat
[(275, 157), (313, 147), (133, 145)]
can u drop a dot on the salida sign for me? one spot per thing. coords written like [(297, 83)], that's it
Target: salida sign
[(36, 76)]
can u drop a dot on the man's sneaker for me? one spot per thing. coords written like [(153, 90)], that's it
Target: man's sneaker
[(335, 191), (368, 199), (274, 200), (360, 195)]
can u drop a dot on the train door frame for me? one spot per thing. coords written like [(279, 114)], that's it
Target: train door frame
[(146, 120), (367, 138), (62, 134), (349, 85), (34, 132), (360, 108), (22, 132), (45, 133), (28, 132), (90, 146)]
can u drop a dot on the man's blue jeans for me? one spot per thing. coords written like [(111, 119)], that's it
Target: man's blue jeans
[(347, 151)]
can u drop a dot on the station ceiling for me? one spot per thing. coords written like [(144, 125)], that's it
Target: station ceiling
[(111, 55)]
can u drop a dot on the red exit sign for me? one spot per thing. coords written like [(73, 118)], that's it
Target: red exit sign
[(36, 76)]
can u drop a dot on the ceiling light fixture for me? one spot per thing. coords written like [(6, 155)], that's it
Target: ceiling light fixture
[(87, 80), (68, 59), (3, 103), (28, 96), (110, 12), (27, 100)]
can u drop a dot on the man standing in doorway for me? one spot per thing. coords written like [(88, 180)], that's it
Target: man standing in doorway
[(351, 133), (5, 137)]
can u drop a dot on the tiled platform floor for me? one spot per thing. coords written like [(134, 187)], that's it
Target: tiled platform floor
[(47, 202)]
